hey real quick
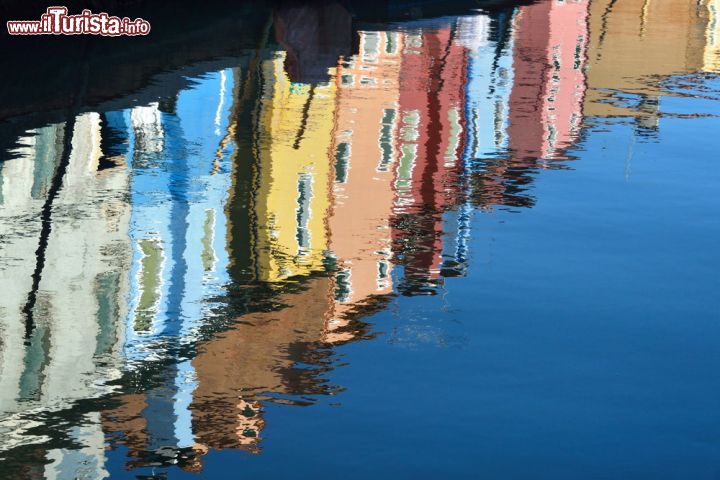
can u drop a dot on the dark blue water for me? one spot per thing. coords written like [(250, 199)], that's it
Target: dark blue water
[(475, 246)]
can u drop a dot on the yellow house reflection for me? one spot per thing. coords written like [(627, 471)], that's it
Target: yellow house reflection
[(294, 135)]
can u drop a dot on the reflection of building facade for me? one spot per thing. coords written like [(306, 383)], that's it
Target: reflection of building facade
[(365, 156), (82, 264), (711, 55), (490, 79), (532, 91), (489, 76), (263, 350), (90, 214), (633, 45), (178, 195), (23, 189), (487, 92), (549, 45), (292, 198), (427, 177), (178, 210)]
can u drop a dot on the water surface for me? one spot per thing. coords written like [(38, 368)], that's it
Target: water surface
[(477, 245)]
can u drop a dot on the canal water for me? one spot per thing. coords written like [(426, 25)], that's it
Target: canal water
[(479, 245)]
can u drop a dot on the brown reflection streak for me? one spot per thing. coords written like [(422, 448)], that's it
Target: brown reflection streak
[(128, 418), (253, 358)]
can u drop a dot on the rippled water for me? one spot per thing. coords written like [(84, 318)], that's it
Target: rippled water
[(479, 245)]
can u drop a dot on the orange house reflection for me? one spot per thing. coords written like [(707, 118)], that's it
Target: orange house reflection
[(365, 155)]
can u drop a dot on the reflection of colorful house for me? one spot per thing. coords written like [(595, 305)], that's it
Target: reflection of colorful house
[(23, 187), (711, 55), (179, 206), (294, 135), (178, 196), (431, 119), (531, 92), (490, 79), (90, 214), (634, 44), (488, 88), (365, 156), (81, 263), (254, 360), (549, 46), (489, 76)]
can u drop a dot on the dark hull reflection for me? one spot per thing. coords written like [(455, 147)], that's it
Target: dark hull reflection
[(188, 233)]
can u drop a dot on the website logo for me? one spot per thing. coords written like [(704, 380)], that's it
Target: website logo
[(56, 21)]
